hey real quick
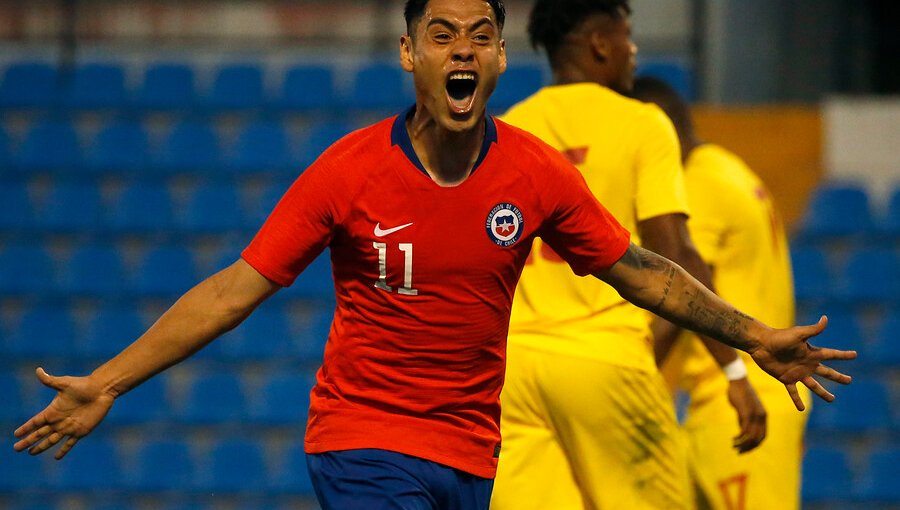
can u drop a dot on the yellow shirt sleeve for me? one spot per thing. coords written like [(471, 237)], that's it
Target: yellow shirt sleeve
[(660, 185)]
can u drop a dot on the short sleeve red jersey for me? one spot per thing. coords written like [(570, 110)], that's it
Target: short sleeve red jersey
[(424, 278)]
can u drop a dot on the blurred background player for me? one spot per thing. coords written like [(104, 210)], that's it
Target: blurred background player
[(587, 420), (739, 233)]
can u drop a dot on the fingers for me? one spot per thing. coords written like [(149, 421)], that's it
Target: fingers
[(49, 380), (753, 431), (814, 329), (46, 444), (833, 375), (824, 353), (795, 396), (68, 445), (36, 422), (817, 388)]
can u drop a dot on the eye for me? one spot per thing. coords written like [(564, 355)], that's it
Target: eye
[(442, 37), (482, 38)]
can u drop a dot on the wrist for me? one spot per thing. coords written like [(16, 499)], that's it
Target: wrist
[(735, 370)]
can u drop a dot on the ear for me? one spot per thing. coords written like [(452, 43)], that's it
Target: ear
[(600, 46), (406, 53), (502, 55)]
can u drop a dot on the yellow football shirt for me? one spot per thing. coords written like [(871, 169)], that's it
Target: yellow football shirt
[(630, 157), (738, 232)]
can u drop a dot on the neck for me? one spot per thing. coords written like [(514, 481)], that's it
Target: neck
[(448, 156), (569, 72)]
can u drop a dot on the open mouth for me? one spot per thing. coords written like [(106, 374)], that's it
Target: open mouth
[(461, 91)]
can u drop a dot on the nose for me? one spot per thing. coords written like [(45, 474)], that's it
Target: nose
[(463, 50)]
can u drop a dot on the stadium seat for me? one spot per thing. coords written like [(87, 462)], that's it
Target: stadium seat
[(891, 223), (293, 478), (43, 331), (29, 85), (826, 475), (860, 407), (110, 330), (20, 472), (675, 74), (812, 274), (870, 276), (237, 87), (262, 146), (73, 207), (517, 83), (25, 269), (120, 146), (836, 210), (235, 465), (93, 271), (191, 145), (32, 504), (308, 87), (60, 135), (283, 399), (266, 334), (214, 208), (167, 86), (95, 86), (215, 398), (316, 281), (94, 465), (843, 332), (322, 136), (17, 213), (144, 207), (13, 409), (164, 465), (885, 350), (381, 86), (879, 481), (165, 271), (146, 403), (5, 155)]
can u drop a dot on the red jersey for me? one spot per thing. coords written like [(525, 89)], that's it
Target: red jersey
[(424, 278)]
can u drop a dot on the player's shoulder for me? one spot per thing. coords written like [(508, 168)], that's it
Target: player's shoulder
[(364, 142), (713, 161)]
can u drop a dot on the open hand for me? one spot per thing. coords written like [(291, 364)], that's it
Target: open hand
[(786, 355), (80, 404), (751, 415)]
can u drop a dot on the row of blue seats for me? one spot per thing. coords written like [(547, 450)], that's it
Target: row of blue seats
[(124, 146), (838, 210), (173, 86), (828, 476), (869, 275), (230, 466), (88, 500)]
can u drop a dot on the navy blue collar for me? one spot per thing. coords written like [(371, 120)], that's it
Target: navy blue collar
[(400, 136)]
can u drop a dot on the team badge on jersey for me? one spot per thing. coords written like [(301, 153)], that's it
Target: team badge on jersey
[(504, 224)]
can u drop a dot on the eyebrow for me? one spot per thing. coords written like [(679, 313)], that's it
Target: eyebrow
[(450, 26)]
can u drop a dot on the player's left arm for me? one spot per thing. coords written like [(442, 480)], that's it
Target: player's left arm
[(657, 284)]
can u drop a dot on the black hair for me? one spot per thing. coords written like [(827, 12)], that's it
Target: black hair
[(416, 8), (552, 20), (653, 90)]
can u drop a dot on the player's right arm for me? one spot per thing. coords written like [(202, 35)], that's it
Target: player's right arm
[(213, 307)]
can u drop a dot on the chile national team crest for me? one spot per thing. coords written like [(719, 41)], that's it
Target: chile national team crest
[(505, 224)]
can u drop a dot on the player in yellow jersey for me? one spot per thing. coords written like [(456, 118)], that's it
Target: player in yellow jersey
[(587, 420), (738, 232)]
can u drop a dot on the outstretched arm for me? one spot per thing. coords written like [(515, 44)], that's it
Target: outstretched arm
[(213, 307), (662, 287)]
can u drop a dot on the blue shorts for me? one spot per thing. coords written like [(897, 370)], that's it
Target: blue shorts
[(372, 479)]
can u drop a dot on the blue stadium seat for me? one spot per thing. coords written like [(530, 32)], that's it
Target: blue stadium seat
[(283, 399), (43, 331), (860, 407), (826, 475), (885, 350), (517, 83), (675, 74), (167, 86), (237, 87), (32, 504), (96, 86), (879, 480), (146, 403), (144, 207), (214, 208), (892, 221), (93, 465), (121, 146), (308, 87), (164, 465), (29, 85), (293, 478), (73, 207), (235, 465), (812, 274), (381, 86), (262, 146), (321, 136), (13, 408), (260, 209), (165, 271), (843, 331), (5, 155), (110, 330), (870, 276), (60, 135), (17, 213), (25, 269), (215, 398), (191, 145), (266, 334), (837, 210), (93, 271), (20, 472), (316, 281)]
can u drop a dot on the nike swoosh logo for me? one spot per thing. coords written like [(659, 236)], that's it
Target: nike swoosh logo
[(382, 233)]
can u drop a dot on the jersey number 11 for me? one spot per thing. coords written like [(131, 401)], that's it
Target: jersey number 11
[(406, 289)]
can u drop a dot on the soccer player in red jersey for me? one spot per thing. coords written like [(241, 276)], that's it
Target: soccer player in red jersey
[(429, 216)]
